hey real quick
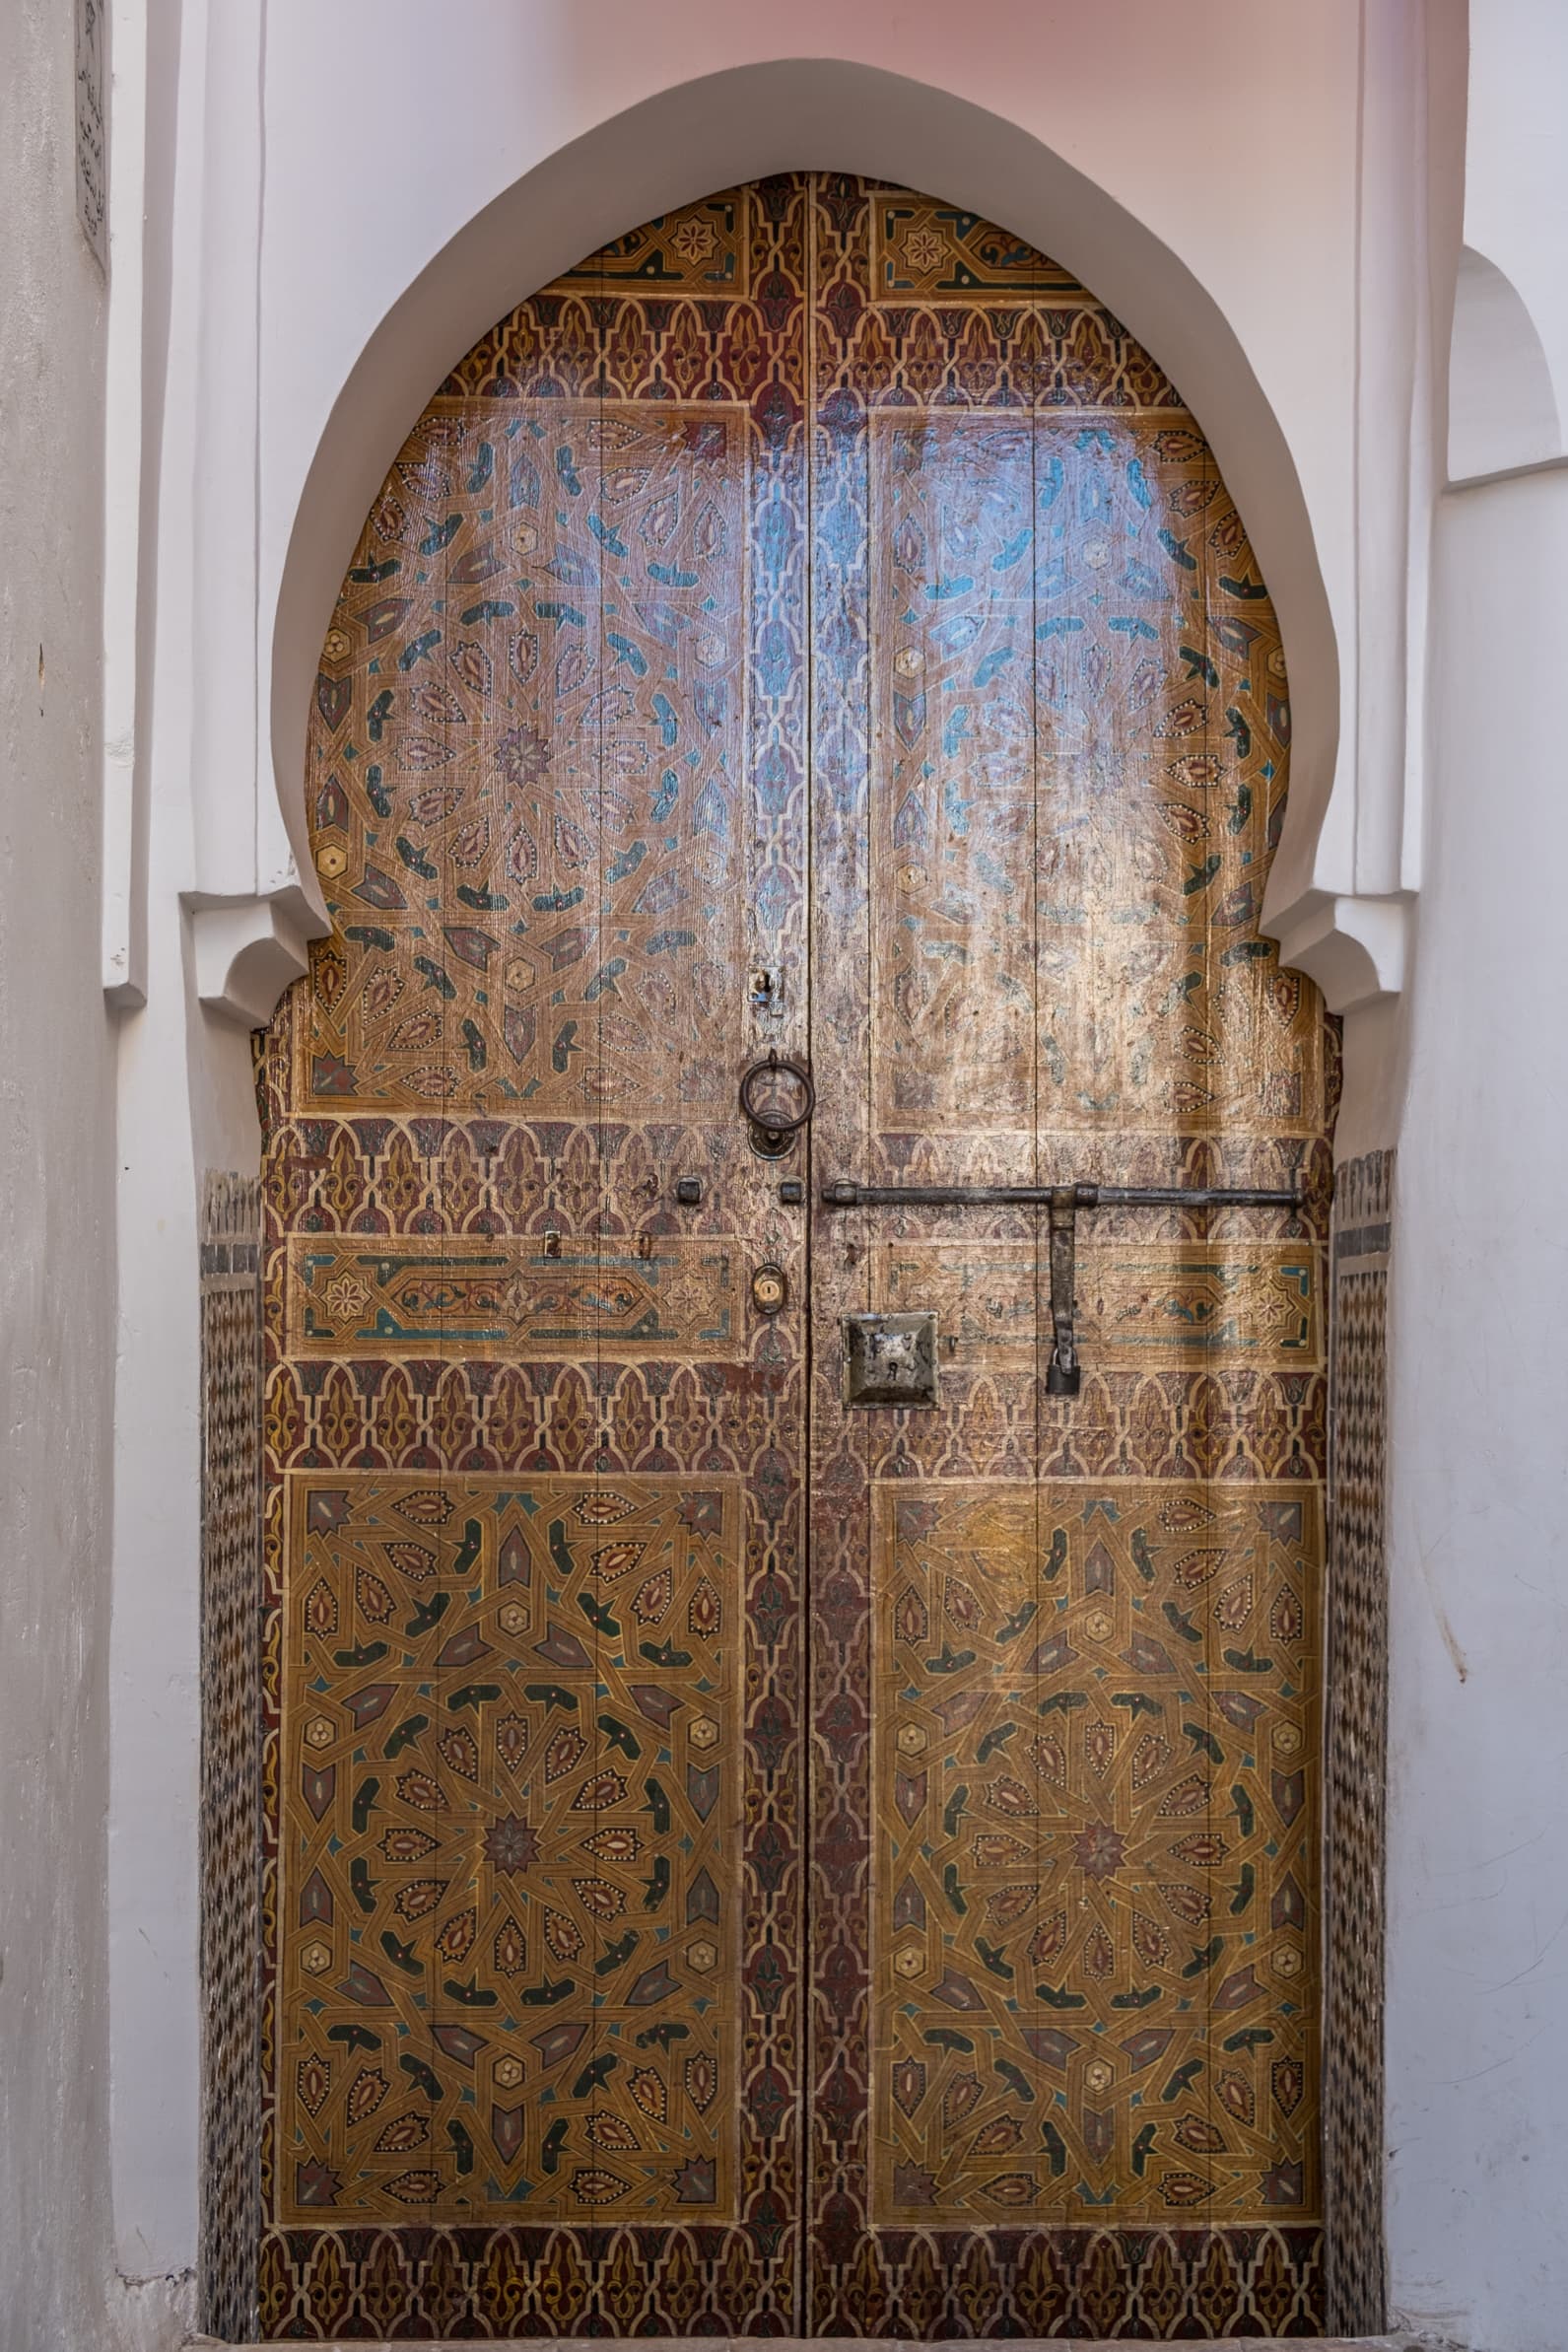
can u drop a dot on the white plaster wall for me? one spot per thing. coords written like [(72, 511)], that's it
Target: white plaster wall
[(319, 161), (1479, 1876), (1478, 1566), (322, 158), (56, 1219), (1513, 179), (186, 1105)]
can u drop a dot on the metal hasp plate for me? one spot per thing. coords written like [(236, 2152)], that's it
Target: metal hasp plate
[(1063, 1374), (890, 1359)]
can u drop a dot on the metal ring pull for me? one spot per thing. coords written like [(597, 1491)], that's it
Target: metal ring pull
[(774, 1127)]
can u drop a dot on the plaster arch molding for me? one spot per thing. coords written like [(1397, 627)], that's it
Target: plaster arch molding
[(669, 149), (1502, 405)]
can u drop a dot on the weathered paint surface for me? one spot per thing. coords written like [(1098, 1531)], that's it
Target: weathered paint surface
[(813, 623)]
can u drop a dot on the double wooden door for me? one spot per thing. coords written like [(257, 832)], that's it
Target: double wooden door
[(739, 1858)]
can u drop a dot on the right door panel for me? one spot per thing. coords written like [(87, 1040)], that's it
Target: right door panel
[(1065, 1650)]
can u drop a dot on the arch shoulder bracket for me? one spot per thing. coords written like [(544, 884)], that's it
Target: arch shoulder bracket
[(1353, 946), (249, 949)]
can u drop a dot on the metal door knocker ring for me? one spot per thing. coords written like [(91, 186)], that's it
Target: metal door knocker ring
[(773, 1129)]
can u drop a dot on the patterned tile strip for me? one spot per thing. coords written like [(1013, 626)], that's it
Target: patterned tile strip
[(1357, 1746), (231, 1673)]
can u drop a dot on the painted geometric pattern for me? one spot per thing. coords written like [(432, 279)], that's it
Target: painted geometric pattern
[(1052, 697), (749, 479), (1094, 1717), (524, 1298), (555, 778), (920, 247), (1356, 1749), (623, 1419), (1173, 1302), (337, 1176), (704, 249), (509, 1740), (1052, 738), (231, 1794), (933, 2286), (529, 740)]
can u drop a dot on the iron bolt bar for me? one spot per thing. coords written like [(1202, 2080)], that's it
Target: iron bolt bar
[(1063, 1200)]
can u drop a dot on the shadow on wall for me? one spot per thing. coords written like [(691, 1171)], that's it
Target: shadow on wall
[(1502, 409)]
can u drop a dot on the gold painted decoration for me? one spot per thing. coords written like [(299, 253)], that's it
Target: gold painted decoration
[(704, 249), (811, 625), (1179, 1303), (1052, 735), (1093, 1710), (527, 1298), (554, 767), (1074, 869), (511, 1747), (532, 721)]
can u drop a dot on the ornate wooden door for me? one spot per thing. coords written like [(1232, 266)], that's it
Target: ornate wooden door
[(1063, 1700), (741, 1860)]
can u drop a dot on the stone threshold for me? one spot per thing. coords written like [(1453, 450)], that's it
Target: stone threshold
[(861, 2343)]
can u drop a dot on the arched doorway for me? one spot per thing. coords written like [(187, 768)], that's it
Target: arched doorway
[(747, 1854)]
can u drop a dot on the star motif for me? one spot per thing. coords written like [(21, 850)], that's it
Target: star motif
[(924, 249), (345, 1297), (1099, 1851), (523, 755), (510, 1844), (694, 240)]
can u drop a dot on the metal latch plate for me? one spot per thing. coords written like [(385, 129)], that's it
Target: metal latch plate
[(770, 1290), (890, 1359)]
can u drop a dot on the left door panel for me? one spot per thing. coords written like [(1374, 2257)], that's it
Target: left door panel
[(534, 1492)]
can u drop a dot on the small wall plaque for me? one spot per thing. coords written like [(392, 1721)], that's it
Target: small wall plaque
[(890, 1359)]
